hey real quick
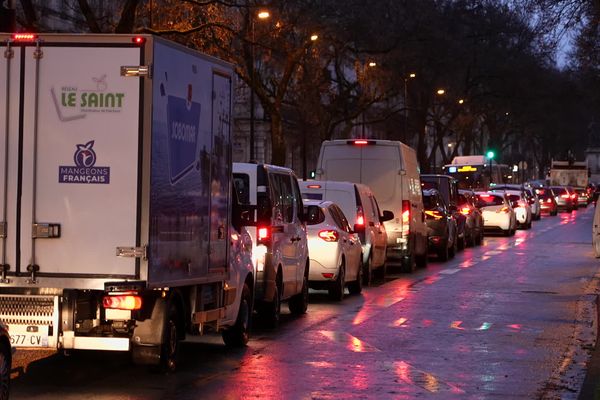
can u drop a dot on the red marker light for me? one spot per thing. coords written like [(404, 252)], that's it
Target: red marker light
[(138, 40), (360, 142), (314, 186), (24, 37)]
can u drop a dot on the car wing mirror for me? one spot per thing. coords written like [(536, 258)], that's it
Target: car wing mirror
[(387, 216)]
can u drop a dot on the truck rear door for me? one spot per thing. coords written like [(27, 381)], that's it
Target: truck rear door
[(74, 158)]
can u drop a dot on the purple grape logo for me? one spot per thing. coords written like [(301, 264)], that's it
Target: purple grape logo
[(85, 156)]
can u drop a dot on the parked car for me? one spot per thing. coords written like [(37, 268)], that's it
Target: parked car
[(391, 170), (279, 244), (359, 205), (582, 197), (498, 215), (5, 361), (335, 250), (447, 186), (441, 225), (474, 220), (529, 193), (521, 206), (563, 198), (547, 201)]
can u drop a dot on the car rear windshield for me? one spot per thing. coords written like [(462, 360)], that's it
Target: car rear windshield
[(242, 187), (558, 190), (489, 200), (314, 215)]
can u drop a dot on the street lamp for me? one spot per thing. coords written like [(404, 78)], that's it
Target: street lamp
[(263, 14), (406, 78)]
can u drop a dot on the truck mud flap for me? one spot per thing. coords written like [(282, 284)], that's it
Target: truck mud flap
[(147, 336)]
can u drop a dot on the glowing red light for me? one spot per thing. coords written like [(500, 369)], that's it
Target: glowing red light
[(329, 235), (24, 37), (264, 234), (138, 40), (314, 186), (122, 302), (360, 142)]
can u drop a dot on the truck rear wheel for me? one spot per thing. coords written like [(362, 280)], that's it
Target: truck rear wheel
[(239, 334), (169, 348)]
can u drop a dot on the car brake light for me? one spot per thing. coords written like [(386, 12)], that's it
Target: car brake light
[(564, 196), (360, 217), (329, 235), (435, 214), (574, 196), (122, 302), (465, 210), (548, 200), (314, 186), (503, 210), (360, 142), (264, 235)]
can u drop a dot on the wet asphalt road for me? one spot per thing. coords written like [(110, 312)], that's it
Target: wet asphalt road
[(513, 319)]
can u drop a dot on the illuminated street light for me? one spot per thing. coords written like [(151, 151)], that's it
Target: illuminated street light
[(441, 91), (314, 37), (411, 75), (461, 101), (372, 64), (263, 15)]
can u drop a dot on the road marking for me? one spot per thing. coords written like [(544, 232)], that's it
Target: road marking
[(399, 322), (450, 271), (425, 380), (352, 343)]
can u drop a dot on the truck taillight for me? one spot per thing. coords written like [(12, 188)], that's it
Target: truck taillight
[(138, 40), (24, 37), (329, 235), (122, 302), (405, 211)]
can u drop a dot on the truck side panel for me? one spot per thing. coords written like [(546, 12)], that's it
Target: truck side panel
[(79, 159), (189, 174)]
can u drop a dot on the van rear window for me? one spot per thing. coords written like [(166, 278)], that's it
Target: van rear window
[(314, 215), (312, 196), (242, 187)]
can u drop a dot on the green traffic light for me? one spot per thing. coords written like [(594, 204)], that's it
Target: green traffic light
[(490, 154)]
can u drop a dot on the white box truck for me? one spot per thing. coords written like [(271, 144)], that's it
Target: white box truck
[(569, 173), (116, 230)]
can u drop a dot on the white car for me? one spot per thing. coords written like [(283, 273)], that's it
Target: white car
[(498, 215), (520, 204), (335, 250)]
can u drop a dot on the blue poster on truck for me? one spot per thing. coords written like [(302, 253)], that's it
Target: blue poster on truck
[(182, 156)]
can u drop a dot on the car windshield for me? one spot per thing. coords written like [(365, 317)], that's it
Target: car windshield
[(514, 197)]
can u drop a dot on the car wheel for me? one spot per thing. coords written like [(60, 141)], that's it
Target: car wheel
[(270, 310), (355, 287), (298, 304), (461, 242), (5, 367), (239, 334), (442, 252), (336, 289), (169, 351), (368, 271)]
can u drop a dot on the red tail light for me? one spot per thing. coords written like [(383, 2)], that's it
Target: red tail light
[(465, 210), (264, 235), (405, 211), (24, 37), (433, 214), (574, 196), (329, 235), (138, 40), (565, 196), (122, 302), (361, 142), (314, 186), (548, 200), (360, 217)]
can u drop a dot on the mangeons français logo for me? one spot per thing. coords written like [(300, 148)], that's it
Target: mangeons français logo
[(85, 169)]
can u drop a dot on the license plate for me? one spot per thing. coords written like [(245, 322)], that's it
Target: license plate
[(28, 336)]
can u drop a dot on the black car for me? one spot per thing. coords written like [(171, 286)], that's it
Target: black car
[(5, 362), (447, 186), (474, 219), (441, 225)]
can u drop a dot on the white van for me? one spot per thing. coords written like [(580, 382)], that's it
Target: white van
[(359, 205), (391, 170), (280, 248)]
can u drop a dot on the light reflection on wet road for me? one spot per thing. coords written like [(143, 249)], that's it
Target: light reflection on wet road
[(506, 320)]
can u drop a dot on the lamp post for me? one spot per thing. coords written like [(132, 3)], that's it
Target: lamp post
[(406, 78), (313, 38), (490, 154), (370, 64), (261, 15)]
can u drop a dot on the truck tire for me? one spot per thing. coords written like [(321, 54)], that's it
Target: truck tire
[(169, 348), (5, 366), (298, 304), (239, 334)]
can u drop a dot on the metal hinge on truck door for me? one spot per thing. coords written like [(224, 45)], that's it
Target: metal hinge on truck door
[(134, 252), (135, 70)]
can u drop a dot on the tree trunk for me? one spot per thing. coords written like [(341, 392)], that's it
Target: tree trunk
[(277, 141), (127, 21)]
